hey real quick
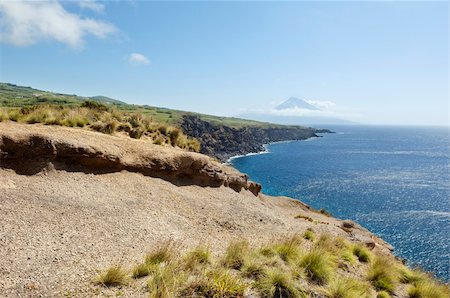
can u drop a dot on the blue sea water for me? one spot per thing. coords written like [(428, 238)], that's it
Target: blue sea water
[(395, 181)]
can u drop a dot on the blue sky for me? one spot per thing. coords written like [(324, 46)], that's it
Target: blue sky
[(370, 62)]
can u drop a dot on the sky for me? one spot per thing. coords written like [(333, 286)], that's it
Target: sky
[(368, 62)]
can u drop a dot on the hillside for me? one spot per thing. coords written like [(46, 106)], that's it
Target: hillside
[(75, 202), (220, 137)]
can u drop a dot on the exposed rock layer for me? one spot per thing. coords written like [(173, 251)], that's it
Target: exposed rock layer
[(30, 148)]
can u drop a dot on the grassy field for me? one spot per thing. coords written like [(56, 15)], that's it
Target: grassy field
[(13, 96)]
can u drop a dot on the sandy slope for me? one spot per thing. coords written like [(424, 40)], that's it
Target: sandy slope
[(58, 227)]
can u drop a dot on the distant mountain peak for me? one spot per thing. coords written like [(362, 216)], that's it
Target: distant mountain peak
[(296, 103)]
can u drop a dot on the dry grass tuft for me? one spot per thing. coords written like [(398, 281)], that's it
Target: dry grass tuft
[(319, 265), (165, 252), (277, 283), (236, 254), (113, 276), (383, 274), (362, 253), (344, 287)]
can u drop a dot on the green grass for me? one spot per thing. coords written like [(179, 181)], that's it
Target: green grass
[(236, 254), (277, 283), (104, 119), (199, 256), (428, 289), (113, 276), (318, 265), (383, 294), (383, 274), (165, 252), (362, 253), (288, 250), (344, 287), (287, 268), (309, 235)]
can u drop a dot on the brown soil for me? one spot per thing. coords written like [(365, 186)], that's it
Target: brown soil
[(64, 219)]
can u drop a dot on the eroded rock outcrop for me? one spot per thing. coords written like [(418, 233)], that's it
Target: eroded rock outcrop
[(28, 149)]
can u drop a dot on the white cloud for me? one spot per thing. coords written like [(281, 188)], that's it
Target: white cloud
[(138, 59), (25, 23), (92, 5), (326, 109)]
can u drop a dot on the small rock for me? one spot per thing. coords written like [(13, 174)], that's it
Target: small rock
[(348, 224)]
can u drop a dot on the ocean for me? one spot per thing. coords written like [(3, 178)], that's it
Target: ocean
[(395, 181)]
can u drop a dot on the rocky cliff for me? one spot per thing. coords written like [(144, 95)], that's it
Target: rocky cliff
[(223, 142)]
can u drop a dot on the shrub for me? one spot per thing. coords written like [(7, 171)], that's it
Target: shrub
[(318, 265), (236, 254), (361, 252), (113, 276), (383, 274), (94, 105), (126, 127), (276, 283), (136, 133)]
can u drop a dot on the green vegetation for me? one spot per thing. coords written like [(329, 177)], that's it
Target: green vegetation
[(318, 265), (102, 118), (383, 274), (344, 287), (113, 276), (13, 96), (383, 294), (276, 283), (309, 235), (361, 252), (287, 268)]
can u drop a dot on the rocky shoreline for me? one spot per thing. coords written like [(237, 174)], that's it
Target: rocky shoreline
[(224, 142)]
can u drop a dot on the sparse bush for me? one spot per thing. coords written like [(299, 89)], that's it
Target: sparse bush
[(276, 283), (113, 276), (136, 133), (126, 127), (94, 105), (383, 274), (318, 265), (236, 254)]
